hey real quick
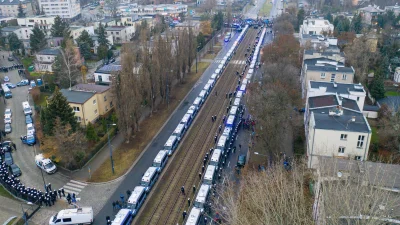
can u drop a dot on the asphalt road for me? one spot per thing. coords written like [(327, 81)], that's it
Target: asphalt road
[(135, 175), (253, 11), (24, 157)]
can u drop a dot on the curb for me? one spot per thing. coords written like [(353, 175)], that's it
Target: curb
[(148, 145), (9, 219)]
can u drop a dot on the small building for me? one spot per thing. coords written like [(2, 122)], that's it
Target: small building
[(10, 7), (103, 95), (370, 14), (121, 34), (95, 39), (84, 105), (315, 54), (106, 22), (21, 32), (44, 22), (315, 26), (105, 73), (45, 59), (76, 31)]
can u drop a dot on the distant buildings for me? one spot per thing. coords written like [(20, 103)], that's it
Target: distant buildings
[(370, 14), (70, 9), (10, 7), (313, 26), (121, 34), (43, 22), (152, 10)]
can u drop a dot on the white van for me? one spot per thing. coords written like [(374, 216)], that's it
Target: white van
[(171, 144), (194, 217), (180, 130), (149, 178), (245, 81), (82, 215), (236, 102), (239, 94), (202, 196), (222, 142), (218, 71), (234, 111), (227, 132), (207, 88), (203, 95), (221, 66), (30, 129), (187, 120), (211, 82), (136, 199), (216, 157), (160, 160), (27, 108), (243, 88), (214, 76), (209, 176), (198, 102), (192, 110)]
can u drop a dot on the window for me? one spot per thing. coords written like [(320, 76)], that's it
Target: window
[(344, 77), (116, 32), (357, 158), (67, 220), (78, 119), (360, 142), (95, 112), (343, 137), (105, 98), (94, 102), (111, 104), (323, 75), (341, 149), (76, 109), (333, 76), (358, 99)]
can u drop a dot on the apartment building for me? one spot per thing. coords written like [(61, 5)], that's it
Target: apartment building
[(43, 22), (10, 7), (316, 26), (23, 33), (152, 10), (336, 128), (66, 9), (121, 34)]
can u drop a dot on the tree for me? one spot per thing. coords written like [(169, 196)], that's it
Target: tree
[(284, 46), (201, 40), (377, 88), (356, 24), (329, 17), (91, 133), (60, 28), (66, 66), (85, 38), (205, 27), (342, 24), (57, 107), (218, 21), (102, 36), (21, 13), (37, 39), (300, 18), (384, 67), (85, 44), (14, 42)]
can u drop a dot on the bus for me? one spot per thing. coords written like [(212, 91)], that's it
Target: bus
[(216, 157), (180, 130), (230, 122), (222, 143), (171, 144), (202, 196), (194, 217), (136, 199), (149, 178), (6, 90), (187, 120), (209, 176), (160, 160), (123, 217)]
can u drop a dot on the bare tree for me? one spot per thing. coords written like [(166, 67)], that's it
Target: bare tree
[(66, 66), (208, 5)]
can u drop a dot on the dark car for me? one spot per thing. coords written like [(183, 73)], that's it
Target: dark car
[(241, 160), (28, 119), (15, 170), (6, 145), (10, 58), (8, 159)]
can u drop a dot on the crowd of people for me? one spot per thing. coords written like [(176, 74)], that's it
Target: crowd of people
[(5, 69)]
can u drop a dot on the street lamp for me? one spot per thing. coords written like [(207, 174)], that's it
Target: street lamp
[(197, 53), (109, 145)]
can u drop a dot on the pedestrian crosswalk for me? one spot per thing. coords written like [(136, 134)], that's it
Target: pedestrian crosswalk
[(217, 61), (241, 62), (74, 186)]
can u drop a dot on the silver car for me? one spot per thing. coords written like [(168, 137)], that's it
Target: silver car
[(7, 128)]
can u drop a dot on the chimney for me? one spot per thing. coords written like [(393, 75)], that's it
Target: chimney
[(353, 119), (334, 84)]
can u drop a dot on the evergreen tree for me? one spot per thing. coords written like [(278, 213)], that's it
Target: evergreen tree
[(85, 50), (21, 13), (60, 28), (14, 42), (329, 17), (356, 24), (58, 107), (378, 88), (91, 133), (85, 38), (103, 41), (201, 40), (300, 18), (384, 67), (37, 39)]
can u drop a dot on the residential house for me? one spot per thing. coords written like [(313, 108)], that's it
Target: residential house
[(315, 54), (172, 10), (327, 70), (103, 95), (70, 10), (121, 34), (395, 9), (105, 22), (319, 42), (84, 105), (10, 7), (315, 26), (370, 14), (105, 73), (44, 22), (130, 20), (95, 39), (76, 31), (336, 128), (21, 32), (45, 59)]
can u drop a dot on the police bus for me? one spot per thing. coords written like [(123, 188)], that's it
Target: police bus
[(234, 111), (216, 158), (222, 143), (136, 199), (194, 217), (227, 132), (160, 160), (236, 102), (202, 196), (203, 95), (230, 122), (198, 102), (243, 88), (214, 76), (207, 88), (6, 90), (192, 110), (149, 178), (180, 131), (187, 120), (209, 176), (239, 94), (171, 144), (123, 217), (211, 82)]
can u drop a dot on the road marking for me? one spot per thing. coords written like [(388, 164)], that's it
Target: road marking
[(229, 163), (74, 186), (77, 182)]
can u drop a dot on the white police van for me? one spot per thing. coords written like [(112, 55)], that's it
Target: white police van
[(221, 66), (207, 88), (198, 102), (234, 111), (230, 122), (123, 217), (194, 217), (209, 176), (171, 144), (245, 81), (83, 215), (202, 196), (192, 110), (222, 142), (136, 199), (227, 132), (187, 120), (211, 82), (236, 102), (214, 76), (243, 88), (180, 130), (149, 178), (216, 158), (239, 94), (218, 72), (27, 108), (249, 73), (203, 95), (160, 160)]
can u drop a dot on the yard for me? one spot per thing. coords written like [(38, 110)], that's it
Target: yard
[(392, 93), (27, 61)]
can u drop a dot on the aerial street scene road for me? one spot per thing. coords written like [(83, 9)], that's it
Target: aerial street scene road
[(273, 112)]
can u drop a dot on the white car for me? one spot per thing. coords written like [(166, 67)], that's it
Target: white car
[(7, 120), (30, 129), (7, 113)]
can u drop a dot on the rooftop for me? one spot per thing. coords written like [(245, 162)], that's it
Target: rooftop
[(350, 104), (372, 9), (49, 51), (115, 28), (79, 97), (110, 68), (324, 53), (91, 88), (322, 101), (322, 61), (10, 29), (343, 122), (317, 22), (106, 20), (327, 65), (13, 2), (339, 88)]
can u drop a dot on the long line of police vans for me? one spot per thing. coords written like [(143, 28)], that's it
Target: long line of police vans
[(224, 143), (139, 194)]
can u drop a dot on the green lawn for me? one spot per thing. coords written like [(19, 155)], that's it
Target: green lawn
[(392, 93), (374, 138), (5, 193), (35, 74), (266, 9), (27, 61)]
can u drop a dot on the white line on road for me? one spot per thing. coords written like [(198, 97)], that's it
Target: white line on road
[(72, 188), (77, 182), (74, 185)]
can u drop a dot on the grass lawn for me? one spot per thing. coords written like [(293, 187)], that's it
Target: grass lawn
[(392, 93), (27, 61), (127, 153), (266, 9), (5, 193), (374, 138), (43, 96)]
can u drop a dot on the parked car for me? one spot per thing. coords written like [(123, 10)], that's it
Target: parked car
[(241, 160), (7, 120), (7, 128), (23, 83), (10, 85), (15, 170), (7, 113), (8, 159), (30, 129), (28, 119), (10, 58), (6, 79)]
